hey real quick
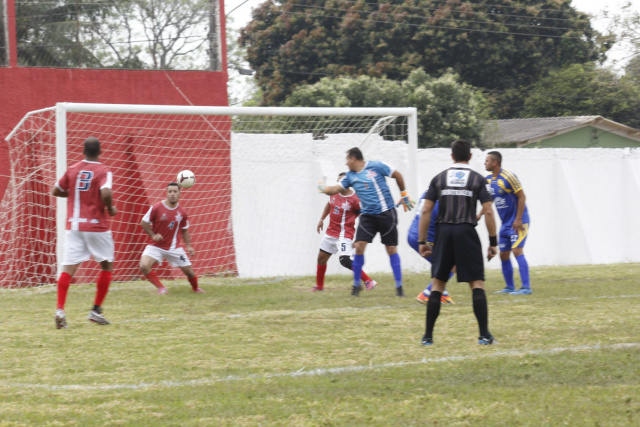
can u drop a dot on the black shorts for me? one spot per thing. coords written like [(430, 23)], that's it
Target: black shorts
[(384, 223), (459, 245)]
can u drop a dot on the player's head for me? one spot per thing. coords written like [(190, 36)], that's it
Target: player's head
[(341, 175), (461, 150), (354, 156), (493, 160), (173, 192), (91, 147)]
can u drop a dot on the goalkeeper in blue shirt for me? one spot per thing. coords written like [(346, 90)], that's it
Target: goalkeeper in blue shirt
[(378, 213), (510, 201)]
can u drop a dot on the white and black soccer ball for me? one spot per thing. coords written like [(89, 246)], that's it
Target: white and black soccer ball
[(186, 179)]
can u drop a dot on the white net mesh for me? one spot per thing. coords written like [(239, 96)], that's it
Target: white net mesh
[(253, 209)]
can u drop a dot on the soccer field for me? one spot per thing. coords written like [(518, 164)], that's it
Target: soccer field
[(265, 352)]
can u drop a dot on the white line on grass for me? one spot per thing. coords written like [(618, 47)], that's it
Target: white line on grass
[(316, 372)]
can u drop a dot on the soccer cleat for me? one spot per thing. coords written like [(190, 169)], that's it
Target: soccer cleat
[(505, 291), (355, 291), (162, 291), (522, 291), (370, 284), (61, 319), (400, 291), (446, 299), (485, 341), (316, 289), (199, 291), (98, 318), (427, 341), (422, 298)]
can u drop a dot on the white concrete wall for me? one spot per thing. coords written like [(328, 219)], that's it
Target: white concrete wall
[(584, 204)]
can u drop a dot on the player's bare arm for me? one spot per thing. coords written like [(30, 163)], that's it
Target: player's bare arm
[(147, 229), (325, 212), (187, 242), (423, 228), (59, 193), (106, 197), (522, 199), (490, 221)]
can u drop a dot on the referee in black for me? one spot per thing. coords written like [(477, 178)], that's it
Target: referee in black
[(456, 243)]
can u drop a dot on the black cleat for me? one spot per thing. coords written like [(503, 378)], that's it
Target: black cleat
[(485, 340), (427, 341), (400, 291), (355, 291)]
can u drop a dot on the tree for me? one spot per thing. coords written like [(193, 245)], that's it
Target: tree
[(494, 44), (129, 34), (48, 34), (154, 34), (447, 109), (585, 90)]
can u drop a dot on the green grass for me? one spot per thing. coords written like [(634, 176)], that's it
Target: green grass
[(269, 353)]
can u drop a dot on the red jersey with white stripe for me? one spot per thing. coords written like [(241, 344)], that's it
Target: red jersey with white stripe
[(343, 214), (85, 209), (167, 222)]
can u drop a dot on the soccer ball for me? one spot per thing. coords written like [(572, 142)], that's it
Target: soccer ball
[(186, 179)]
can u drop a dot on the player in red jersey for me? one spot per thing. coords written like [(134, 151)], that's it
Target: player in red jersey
[(343, 209), (87, 187), (162, 223)]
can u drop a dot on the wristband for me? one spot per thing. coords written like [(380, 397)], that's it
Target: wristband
[(493, 241), (422, 242), (404, 193)]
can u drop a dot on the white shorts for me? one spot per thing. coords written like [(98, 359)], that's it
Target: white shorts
[(342, 246), (176, 257), (80, 246)]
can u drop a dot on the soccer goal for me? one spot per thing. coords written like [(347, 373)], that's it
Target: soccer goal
[(254, 207)]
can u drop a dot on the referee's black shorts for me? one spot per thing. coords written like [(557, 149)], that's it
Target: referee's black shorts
[(384, 223), (459, 245)]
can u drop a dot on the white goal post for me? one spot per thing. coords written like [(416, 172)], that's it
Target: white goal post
[(255, 195)]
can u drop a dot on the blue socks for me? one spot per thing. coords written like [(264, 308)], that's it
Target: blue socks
[(397, 271), (524, 271), (507, 272), (356, 266)]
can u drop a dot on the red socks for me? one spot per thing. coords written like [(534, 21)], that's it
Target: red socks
[(63, 287), (102, 285), (320, 276), (364, 276), (154, 279), (194, 282)]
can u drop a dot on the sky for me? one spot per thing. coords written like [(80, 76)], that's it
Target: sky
[(239, 17)]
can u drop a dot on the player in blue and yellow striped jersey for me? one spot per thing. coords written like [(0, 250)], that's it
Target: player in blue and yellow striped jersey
[(510, 200)]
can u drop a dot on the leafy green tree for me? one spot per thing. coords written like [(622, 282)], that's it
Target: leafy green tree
[(493, 44), (585, 90), (132, 34), (447, 109), (48, 34), (632, 69)]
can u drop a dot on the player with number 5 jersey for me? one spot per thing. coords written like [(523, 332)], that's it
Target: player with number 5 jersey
[(165, 223), (343, 209)]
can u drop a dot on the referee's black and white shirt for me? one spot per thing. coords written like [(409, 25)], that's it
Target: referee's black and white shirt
[(458, 188)]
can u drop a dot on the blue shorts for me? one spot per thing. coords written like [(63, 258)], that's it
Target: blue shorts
[(511, 239)]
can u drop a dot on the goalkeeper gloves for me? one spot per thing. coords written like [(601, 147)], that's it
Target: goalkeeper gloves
[(406, 201), (321, 186)]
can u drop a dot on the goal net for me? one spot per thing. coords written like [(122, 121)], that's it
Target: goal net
[(254, 208)]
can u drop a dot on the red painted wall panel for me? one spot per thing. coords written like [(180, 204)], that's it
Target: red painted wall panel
[(28, 89)]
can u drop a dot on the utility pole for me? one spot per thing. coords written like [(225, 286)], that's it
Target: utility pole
[(214, 36)]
